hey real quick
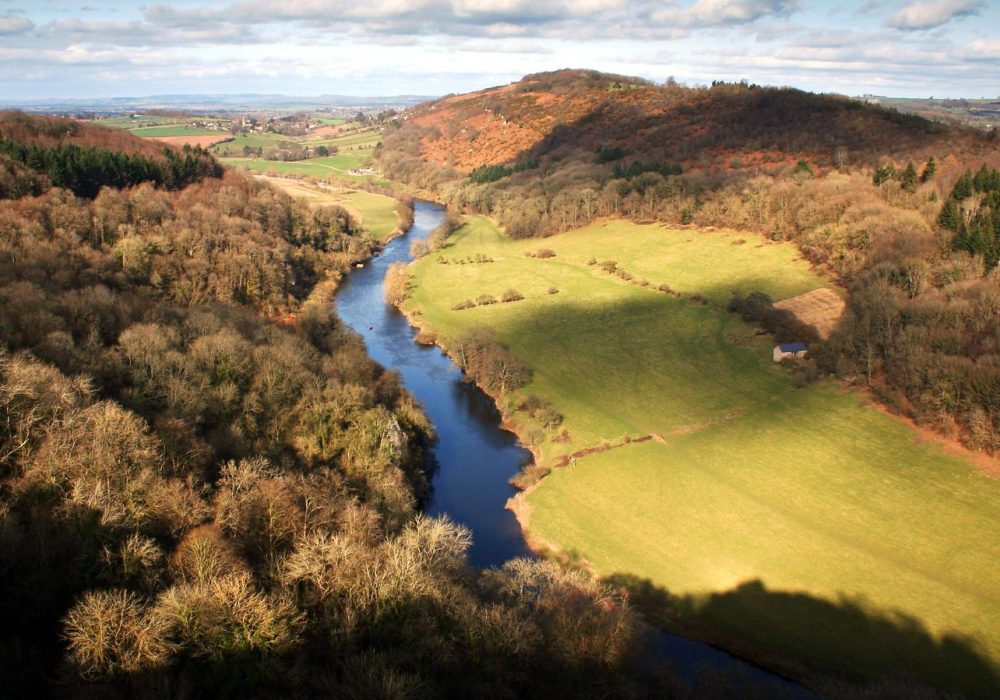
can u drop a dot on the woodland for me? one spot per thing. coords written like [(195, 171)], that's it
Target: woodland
[(206, 486)]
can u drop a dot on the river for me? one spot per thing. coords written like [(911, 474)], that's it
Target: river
[(475, 458)]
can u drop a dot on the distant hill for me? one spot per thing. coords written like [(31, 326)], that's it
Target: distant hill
[(719, 128), (204, 104), (982, 113)]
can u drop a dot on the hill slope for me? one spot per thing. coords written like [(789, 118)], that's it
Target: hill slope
[(703, 128)]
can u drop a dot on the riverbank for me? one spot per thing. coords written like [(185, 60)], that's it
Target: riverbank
[(761, 501)]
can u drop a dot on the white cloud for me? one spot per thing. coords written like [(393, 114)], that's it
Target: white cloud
[(983, 50), (928, 14), (708, 13), (11, 23), (533, 18)]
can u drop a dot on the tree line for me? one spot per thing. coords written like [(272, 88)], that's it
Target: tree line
[(84, 170)]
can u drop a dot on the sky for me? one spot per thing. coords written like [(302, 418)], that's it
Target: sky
[(100, 49)]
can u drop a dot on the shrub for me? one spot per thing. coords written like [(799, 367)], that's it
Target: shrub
[(467, 304), (425, 337), (549, 417), (228, 616), (418, 249), (553, 290), (665, 288), (397, 283), (545, 253), (511, 295), (111, 632), (486, 299)]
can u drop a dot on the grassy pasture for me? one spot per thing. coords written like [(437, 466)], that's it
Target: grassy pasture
[(796, 524), (355, 139), (376, 212), (128, 122), (174, 130), (340, 165), (677, 363), (251, 140)]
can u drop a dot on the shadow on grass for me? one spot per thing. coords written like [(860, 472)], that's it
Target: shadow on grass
[(819, 640)]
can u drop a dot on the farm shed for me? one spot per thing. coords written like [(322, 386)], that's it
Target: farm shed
[(784, 351)]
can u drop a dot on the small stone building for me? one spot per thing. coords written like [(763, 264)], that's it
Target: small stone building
[(785, 351)]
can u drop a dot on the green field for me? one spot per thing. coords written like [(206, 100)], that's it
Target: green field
[(340, 165), (376, 212), (357, 139), (692, 348), (251, 140), (129, 122), (174, 130), (796, 525)]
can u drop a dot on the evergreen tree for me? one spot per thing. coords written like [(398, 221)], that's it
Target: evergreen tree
[(884, 174), (929, 169), (950, 217), (963, 188), (908, 179)]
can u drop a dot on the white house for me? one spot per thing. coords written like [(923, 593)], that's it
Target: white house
[(784, 351)]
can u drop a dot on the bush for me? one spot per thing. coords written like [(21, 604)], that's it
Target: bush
[(553, 290), (418, 249), (396, 286), (485, 299), (545, 253), (511, 295), (467, 304), (111, 632), (549, 417)]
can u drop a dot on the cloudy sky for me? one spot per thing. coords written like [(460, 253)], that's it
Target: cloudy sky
[(97, 48)]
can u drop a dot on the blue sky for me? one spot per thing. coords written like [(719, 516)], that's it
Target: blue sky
[(94, 48)]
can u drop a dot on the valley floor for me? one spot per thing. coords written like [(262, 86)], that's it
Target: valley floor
[(795, 525)]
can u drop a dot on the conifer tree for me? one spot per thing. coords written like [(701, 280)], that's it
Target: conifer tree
[(929, 169), (909, 178)]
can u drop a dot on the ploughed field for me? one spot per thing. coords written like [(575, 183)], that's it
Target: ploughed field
[(795, 525)]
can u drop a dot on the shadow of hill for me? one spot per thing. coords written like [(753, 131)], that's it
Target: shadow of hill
[(807, 637)]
